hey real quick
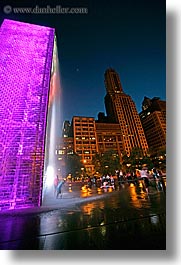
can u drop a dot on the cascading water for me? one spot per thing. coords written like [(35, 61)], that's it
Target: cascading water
[(53, 129)]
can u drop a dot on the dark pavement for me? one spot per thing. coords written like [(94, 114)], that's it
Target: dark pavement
[(125, 218)]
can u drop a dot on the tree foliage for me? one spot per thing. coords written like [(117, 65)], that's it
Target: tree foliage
[(73, 164), (137, 159), (107, 162), (158, 157)]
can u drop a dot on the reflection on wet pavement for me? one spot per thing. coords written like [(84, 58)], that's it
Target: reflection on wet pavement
[(127, 218)]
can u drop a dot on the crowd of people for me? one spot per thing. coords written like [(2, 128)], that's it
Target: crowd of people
[(149, 178), (153, 177), (107, 181)]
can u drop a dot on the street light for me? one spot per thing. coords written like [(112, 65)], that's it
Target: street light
[(128, 165), (82, 172)]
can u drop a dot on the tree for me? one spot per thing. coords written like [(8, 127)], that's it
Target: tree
[(136, 160), (107, 162), (96, 160), (126, 162), (158, 157), (73, 164)]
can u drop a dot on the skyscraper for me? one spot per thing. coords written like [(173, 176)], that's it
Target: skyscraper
[(153, 118), (26, 54), (121, 108), (67, 129)]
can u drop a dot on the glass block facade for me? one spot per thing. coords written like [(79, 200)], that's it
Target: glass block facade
[(26, 52)]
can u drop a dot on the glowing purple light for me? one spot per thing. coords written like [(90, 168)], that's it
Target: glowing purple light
[(25, 68)]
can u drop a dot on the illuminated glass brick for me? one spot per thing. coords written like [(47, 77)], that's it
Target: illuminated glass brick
[(26, 52)]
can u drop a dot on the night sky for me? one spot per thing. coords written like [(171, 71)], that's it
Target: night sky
[(128, 36)]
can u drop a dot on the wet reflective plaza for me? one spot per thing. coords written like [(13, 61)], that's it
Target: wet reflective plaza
[(125, 218)]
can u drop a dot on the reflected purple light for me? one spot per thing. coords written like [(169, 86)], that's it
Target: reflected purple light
[(25, 68)]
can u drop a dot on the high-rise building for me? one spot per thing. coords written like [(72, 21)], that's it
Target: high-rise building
[(85, 145), (89, 137), (121, 108), (153, 118), (26, 53), (65, 146), (109, 137), (67, 129)]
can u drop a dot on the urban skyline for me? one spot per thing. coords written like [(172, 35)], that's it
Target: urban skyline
[(121, 131), (118, 34), (139, 109)]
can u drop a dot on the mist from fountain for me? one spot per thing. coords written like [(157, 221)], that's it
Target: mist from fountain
[(53, 129)]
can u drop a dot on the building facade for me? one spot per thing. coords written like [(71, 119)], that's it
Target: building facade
[(121, 109), (153, 118), (109, 137), (65, 146), (85, 142)]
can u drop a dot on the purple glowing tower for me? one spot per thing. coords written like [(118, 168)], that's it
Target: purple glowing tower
[(26, 53)]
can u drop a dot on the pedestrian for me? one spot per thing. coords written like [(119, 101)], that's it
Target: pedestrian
[(103, 180), (108, 179), (59, 189), (89, 182), (145, 176), (120, 177), (155, 174), (56, 181), (156, 178), (112, 181)]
